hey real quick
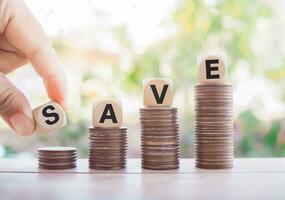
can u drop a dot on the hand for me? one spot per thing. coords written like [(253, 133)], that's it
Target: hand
[(23, 40)]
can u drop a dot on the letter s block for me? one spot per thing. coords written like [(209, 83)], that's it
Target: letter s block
[(211, 70), (157, 92), (48, 117), (107, 113)]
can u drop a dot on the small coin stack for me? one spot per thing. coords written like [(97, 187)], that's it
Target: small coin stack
[(56, 158), (107, 148), (214, 119), (107, 139), (160, 148)]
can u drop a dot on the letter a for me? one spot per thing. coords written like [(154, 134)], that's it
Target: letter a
[(108, 113)]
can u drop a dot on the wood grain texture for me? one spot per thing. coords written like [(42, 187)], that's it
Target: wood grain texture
[(249, 179), (49, 116), (157, 92), (212, 69), (107, 113)]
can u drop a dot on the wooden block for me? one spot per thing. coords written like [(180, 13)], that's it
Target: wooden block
[(107, 113), (212, 70), (157, 92), (49, 117)]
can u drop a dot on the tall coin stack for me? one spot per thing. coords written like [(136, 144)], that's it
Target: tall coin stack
[(55, 158), (160, 148), (214, 144), (107, 139)]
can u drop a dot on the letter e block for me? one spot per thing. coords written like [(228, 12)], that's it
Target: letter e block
[(107, 113), (49, 117), (157, 92), (211, 70)]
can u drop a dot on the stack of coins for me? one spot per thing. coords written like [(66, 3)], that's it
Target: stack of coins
[(214, 126), (55, 158), (160, 148), (107, 148)]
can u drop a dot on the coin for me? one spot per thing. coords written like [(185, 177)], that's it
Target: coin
[(56, 149), (108, 167), (55, 158), (107, 148), (57, 167), (213, 126), (160, 166), (160, 146)]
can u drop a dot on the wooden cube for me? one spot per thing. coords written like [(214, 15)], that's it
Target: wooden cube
[(211, 70), (157, 92), (107, 113), (49, 117)]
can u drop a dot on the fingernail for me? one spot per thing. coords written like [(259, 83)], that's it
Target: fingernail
[(21, 124)]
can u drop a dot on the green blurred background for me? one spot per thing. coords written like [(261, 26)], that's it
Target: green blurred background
[(108, 47)]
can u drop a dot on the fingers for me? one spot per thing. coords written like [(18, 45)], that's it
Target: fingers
[(47, 64), (15, 108), (24, 32), (10, 61)]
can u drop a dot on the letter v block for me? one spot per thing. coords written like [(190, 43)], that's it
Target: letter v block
[(158, 92), (211, 70), (107, 113), (49, 117)]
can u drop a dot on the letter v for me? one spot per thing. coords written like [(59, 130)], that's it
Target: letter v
[(159, 99)]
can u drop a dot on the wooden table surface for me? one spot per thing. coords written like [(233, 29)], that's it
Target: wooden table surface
[(253, 178)]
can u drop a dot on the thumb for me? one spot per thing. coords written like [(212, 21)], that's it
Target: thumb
[(15, 108)]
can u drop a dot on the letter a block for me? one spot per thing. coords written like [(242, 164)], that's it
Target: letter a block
[(48, 117), (157, 92), (107, 113), (211, 70)]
